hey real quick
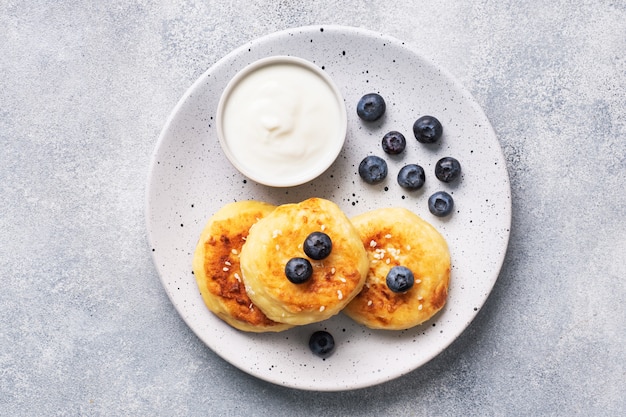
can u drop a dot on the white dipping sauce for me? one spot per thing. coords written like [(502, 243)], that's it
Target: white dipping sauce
[(282, 123)]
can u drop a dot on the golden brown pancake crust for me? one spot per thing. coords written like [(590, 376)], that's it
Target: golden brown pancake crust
[(278, 237), (217, 271), (396, 236)]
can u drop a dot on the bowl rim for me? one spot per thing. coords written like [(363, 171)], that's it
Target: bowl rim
[(333, 151)]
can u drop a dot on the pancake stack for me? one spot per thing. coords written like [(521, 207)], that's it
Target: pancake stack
[(240, 266)]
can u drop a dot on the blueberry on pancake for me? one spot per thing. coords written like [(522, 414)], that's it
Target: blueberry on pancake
[(336, 277)]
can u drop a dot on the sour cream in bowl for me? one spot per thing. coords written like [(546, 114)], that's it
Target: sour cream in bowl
[(281, 121)]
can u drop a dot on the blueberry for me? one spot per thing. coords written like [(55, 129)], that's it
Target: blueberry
[(394, 143), (411, 177), (298, 270), (373, 169), (440, 204), (427, 129), (371, 107), (400, 279), (317, 245), (322, 343), (447, 169)]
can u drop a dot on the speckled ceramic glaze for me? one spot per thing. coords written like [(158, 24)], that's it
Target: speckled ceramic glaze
[(190, 179)]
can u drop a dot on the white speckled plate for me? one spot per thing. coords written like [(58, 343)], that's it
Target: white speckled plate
[(190, 178)]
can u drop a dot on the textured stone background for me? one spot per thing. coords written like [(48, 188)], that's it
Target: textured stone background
[(86, 328)]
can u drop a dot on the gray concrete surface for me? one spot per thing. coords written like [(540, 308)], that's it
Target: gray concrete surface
[(86, 328)]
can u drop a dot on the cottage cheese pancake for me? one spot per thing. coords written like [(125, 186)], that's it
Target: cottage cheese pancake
[(278, 238), (216, 266), (398, 237)]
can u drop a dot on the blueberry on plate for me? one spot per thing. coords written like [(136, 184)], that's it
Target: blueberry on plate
[(411, 177), (321, 343), (373, 169), (393, 143), (427, 129), (317, 245), (447, 169), (371, 107), (298, 270), (400, 279), (440, 204)]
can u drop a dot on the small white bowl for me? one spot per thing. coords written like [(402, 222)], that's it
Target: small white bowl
[(281, 121)]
